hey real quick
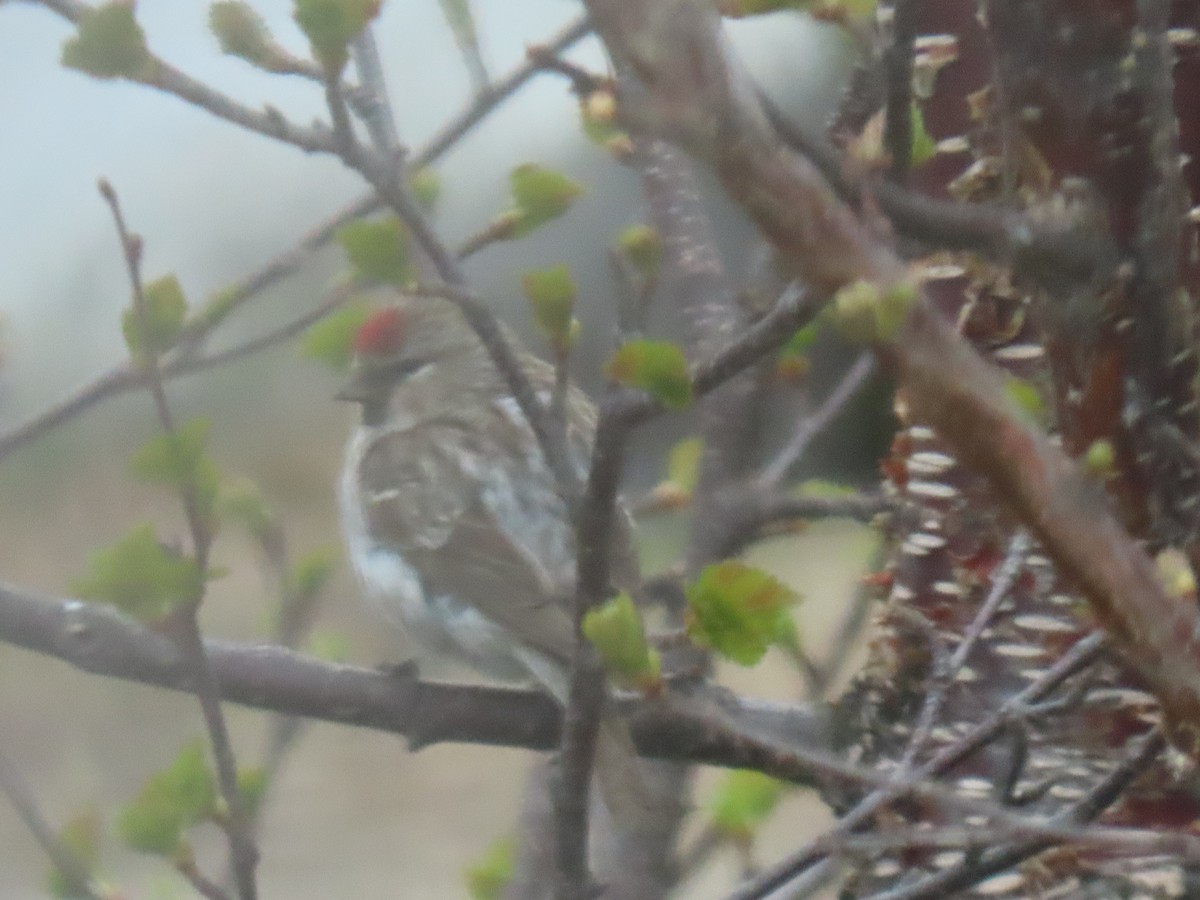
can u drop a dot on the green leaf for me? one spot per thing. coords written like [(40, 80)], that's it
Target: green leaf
[(804, 339), (616, 631), (217, 307), (683, 464), (331, 646), (426, 186), (792, 363), (252, 786), (330, 26), (642, 246), (657, 367), (739, 611), (109, 43), (743, 801), (552, 295), (81, 836), (377, 250), (331, 341), (540, 195), (923, 147), (242, 502), (1100, 459), (487, 878), (169, 802), (458, 16), (312, 572), (598, 115), (819, 487), (870, 313), (1027, 397), (172, 458), (241, 31), (166, 309), (140, 577), (179, 460)]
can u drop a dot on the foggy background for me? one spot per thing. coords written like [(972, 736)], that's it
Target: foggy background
[(354, 813)]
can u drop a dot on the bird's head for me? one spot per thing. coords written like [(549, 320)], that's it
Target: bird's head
[(408, 347)]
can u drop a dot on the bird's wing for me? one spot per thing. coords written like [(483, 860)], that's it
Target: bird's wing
[(427, 499), (581, 432)]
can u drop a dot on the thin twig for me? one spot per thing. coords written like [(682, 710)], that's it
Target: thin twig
[(1102, 795), (157, 73), (376, 110), (1005, 576), (72, 869), (204, 886), (243, 851), (809, 426), (1083, 653)]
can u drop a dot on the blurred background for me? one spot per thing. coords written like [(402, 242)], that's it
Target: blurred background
[(354, 813)]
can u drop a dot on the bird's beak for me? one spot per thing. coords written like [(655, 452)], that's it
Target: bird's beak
[(356, 389)]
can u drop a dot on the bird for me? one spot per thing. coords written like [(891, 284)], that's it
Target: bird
[(453, 519)]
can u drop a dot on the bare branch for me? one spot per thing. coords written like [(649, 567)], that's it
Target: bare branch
[(101, 641)]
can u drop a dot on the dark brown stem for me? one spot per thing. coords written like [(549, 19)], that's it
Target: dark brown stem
[(898, 126)]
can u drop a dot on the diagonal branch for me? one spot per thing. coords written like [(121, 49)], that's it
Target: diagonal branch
[(697, 99)]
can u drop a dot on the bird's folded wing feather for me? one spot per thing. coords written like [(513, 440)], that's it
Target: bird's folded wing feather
[(424, 498)]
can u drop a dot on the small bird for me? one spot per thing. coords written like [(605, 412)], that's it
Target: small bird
[(452, 517)]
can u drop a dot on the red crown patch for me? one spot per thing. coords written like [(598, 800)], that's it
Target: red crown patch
[(382, 334)]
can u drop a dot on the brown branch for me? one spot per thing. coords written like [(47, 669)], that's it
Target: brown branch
[(781, 740), (102, 641), (697, 100)]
